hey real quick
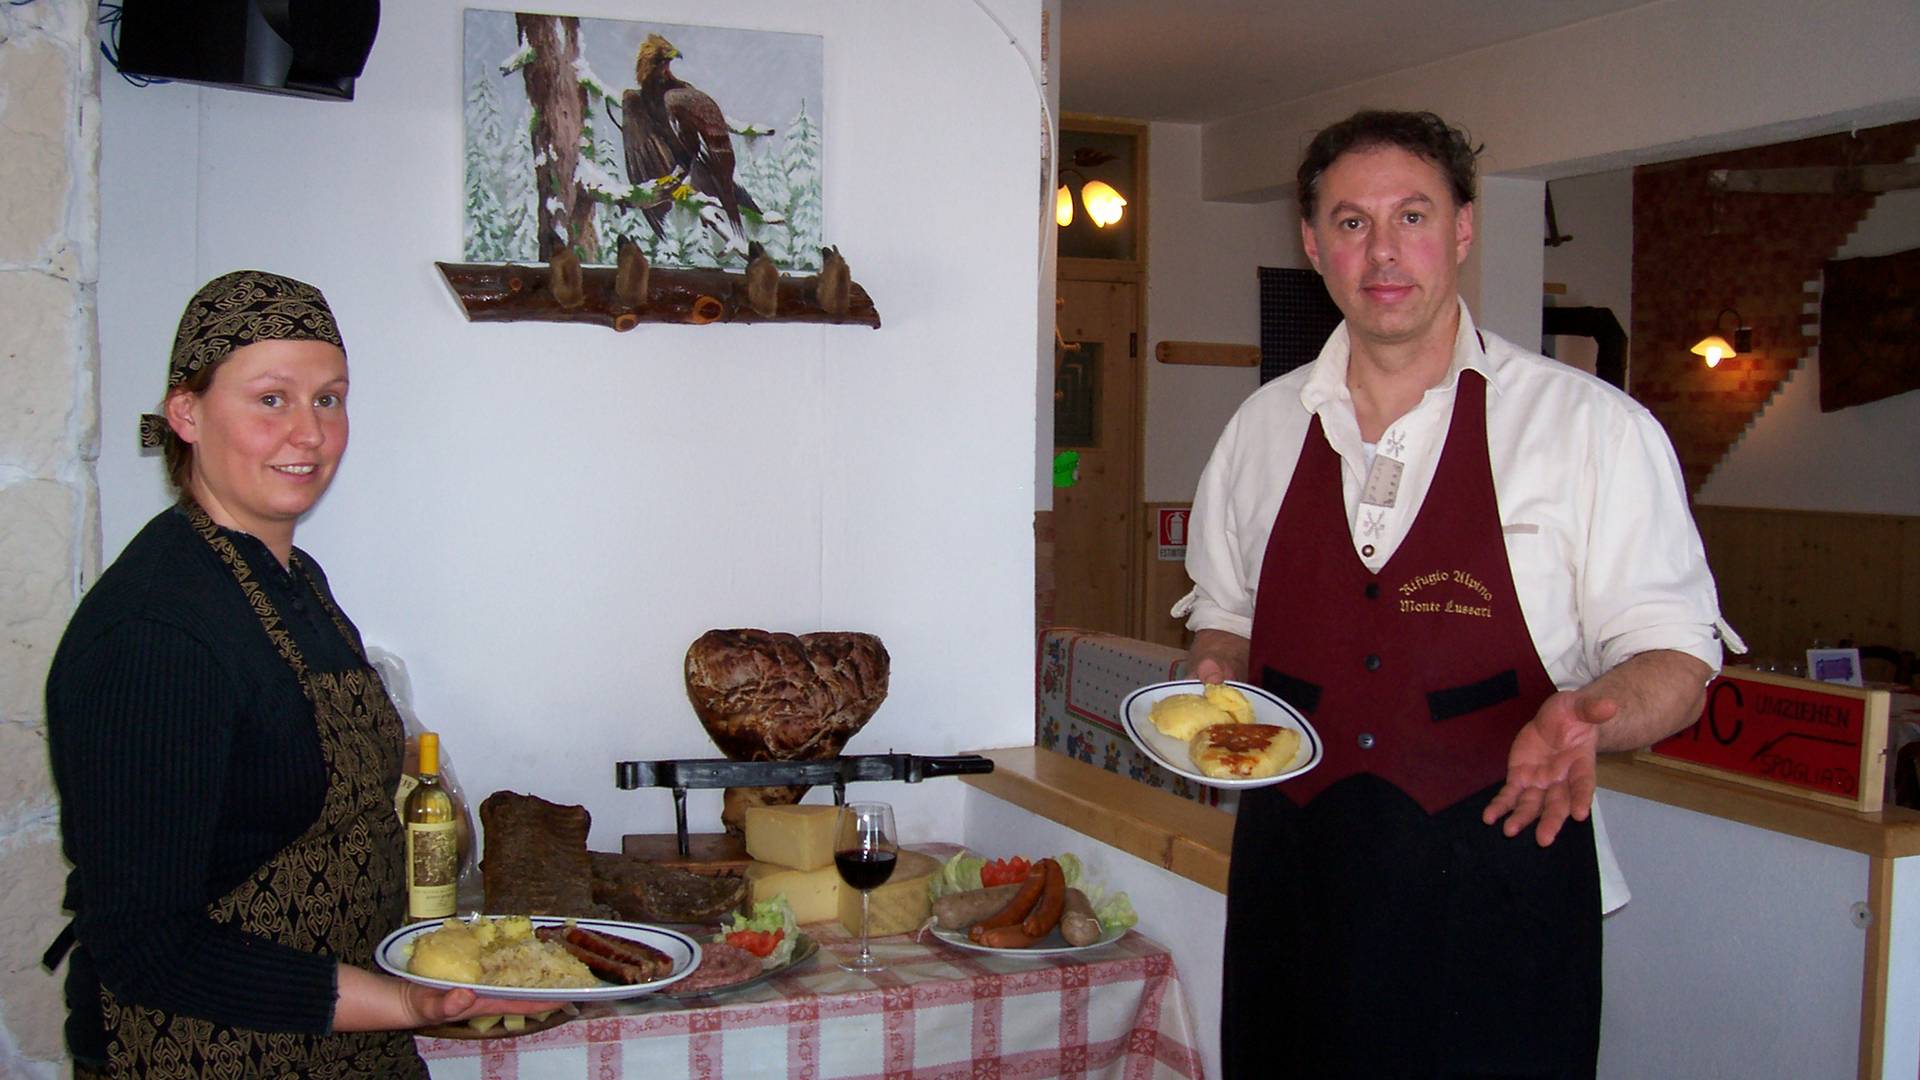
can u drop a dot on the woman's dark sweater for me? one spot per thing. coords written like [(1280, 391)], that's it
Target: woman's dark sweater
[(186, 755)]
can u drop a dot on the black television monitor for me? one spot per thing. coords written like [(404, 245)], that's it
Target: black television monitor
[(307, 48)]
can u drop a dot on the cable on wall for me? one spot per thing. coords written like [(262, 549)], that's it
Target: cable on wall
[(110, 41)]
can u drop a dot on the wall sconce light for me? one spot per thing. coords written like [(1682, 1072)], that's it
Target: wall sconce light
[(1105, 206), (1715, 348)]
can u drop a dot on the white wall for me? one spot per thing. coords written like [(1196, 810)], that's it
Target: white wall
[(1186, 917), (1596, 266), (540, 518), (1865, 459), (1741, 935), (1202, 285)]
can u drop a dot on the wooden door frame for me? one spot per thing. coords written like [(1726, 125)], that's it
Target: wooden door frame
[(1134, 272)]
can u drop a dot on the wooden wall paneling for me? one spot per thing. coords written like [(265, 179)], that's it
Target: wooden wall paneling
[(1790, 577)]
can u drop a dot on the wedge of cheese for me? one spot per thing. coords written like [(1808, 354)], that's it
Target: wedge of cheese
[(898, 906), (796, 836), (813, 894)]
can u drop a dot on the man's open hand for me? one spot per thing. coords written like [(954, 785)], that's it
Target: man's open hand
[(1550, 769)]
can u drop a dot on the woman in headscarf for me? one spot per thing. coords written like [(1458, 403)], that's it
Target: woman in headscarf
[(225, 755)]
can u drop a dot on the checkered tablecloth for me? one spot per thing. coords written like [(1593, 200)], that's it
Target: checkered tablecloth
[(936, 1012)]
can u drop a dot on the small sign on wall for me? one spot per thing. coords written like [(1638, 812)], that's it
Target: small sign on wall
[(1173, 533), (1827, 743)]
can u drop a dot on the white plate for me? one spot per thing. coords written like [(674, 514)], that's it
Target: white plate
[(1051, 945), (1171, 754), (684, 951)]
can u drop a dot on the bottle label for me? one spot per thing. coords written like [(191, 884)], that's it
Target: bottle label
[(408, 782), (432, 870)]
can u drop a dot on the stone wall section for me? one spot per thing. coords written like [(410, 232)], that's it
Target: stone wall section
[(49, 497), (1696, 252)]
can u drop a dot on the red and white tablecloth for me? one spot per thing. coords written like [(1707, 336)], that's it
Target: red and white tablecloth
[(936, 1012)]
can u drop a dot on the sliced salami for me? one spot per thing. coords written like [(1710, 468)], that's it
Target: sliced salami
[(720, 965)]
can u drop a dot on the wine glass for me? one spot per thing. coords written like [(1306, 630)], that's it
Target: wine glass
[(865, 848)]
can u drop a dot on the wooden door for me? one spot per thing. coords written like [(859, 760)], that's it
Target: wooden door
[(1096, 414)]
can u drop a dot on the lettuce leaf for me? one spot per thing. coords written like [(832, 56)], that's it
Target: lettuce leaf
[(1072, 869), (958, 874), (773, 914), (1116, 913)]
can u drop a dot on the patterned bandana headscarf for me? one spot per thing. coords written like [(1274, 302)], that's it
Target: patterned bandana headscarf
[(235, 310)]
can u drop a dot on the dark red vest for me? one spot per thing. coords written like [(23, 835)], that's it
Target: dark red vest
[(1423, 673)]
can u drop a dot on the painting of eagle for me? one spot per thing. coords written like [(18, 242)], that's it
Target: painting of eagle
[(714, 148), (673, 128)]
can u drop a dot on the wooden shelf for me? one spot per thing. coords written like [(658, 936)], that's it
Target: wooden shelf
[(1196, 841), (1176, 834), (1891, 833)]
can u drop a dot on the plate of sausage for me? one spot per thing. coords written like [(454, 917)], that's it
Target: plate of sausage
[(630, 959), (1051, 945), (1040, 916)]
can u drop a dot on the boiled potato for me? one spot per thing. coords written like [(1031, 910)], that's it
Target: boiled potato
[(1181, 716), (451, 952), (1233, 701)]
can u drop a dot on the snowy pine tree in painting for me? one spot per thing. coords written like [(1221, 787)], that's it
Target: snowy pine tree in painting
[(757, 169), (800, 162), (499, 191)]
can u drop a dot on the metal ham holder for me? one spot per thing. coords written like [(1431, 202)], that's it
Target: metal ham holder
[(836, 771)]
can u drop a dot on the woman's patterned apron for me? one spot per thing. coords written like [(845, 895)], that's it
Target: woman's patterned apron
[(337, 890)]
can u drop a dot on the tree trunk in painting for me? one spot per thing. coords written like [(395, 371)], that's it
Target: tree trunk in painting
[(559, 108)]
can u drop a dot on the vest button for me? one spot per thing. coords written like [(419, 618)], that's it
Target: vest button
[(1372, 590), (1365, 740), (1373, 662)]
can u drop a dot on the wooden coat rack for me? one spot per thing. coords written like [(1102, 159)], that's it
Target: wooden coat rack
[(624, 296)]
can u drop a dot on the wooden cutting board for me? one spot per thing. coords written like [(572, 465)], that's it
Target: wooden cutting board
[(708, 853)]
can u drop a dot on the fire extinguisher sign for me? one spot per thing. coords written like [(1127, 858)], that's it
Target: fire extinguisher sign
[(1173, 533)]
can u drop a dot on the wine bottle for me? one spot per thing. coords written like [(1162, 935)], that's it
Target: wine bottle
[(433, 861)]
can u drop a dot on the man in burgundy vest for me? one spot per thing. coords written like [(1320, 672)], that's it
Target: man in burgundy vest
[(1472, 568)]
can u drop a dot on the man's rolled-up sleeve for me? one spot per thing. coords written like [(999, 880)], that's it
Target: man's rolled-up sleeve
[(1222, 596), (1646, 584)]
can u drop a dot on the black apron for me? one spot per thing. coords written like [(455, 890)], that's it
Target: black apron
[(1375, 926)]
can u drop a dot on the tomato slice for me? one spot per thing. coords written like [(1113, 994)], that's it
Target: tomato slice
[(1004, 872), (760, 943)]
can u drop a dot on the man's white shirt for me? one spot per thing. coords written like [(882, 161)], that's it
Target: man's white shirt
[(1603, 549)]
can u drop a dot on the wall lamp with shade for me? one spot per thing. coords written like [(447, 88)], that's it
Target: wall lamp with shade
[(1715, 348), (1104, 204)]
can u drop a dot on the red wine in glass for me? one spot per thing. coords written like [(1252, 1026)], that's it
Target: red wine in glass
[(865, 870), (865, 850)]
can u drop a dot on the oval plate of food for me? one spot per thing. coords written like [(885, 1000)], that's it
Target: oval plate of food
[(654, 956), (695, 986), (1273, 744), (1051, 945)]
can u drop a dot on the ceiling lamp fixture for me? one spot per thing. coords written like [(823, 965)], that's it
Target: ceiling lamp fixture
[(1105, 206), (1715, 347)]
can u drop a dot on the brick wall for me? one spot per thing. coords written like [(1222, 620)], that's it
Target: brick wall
[(1695, 253), (49, 504)]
